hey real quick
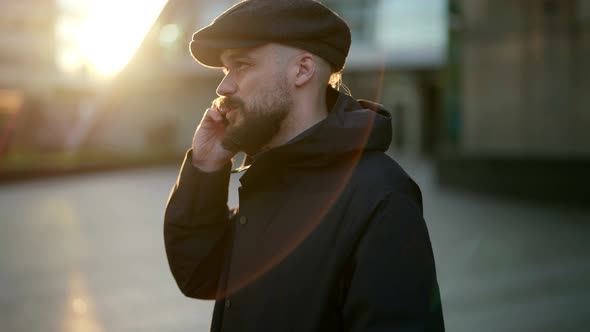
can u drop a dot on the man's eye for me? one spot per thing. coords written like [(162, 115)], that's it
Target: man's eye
[(241, 66)]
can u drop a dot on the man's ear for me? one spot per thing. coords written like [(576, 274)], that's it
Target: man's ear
[(305, 69)]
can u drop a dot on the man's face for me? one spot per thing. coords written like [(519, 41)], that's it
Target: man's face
[(255, 97)]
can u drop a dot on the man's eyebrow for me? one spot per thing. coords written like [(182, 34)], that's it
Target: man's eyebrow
[(238, 57), (233, 56)]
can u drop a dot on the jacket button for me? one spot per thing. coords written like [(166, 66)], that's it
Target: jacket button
[(243, 220), (227, 303)]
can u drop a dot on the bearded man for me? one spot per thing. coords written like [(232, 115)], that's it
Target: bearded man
[(329, 233)]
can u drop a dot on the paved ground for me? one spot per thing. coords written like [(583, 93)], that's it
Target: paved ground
[(86, 254)]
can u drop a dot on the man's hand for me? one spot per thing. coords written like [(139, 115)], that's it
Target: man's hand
[(208, 153)]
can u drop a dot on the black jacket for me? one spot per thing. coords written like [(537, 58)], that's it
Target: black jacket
[(329, 235)]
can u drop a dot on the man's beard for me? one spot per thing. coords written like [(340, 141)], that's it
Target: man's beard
[(260, 122)]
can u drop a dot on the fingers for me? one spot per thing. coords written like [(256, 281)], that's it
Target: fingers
[(215, 115)]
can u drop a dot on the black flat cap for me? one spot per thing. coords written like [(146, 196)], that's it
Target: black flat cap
[(304, 24)]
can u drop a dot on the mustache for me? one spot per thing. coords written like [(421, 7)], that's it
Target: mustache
[(228, 102)]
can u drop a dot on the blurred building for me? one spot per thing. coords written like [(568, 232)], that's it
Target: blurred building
[(159, 97), (27, 44), (163, 92), (27, 66), (517, 117)]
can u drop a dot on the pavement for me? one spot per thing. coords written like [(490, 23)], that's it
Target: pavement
[(85, 253)]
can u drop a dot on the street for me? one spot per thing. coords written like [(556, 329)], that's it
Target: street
[(85, 253)]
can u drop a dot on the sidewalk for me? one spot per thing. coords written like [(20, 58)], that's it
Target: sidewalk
[(64, 165)]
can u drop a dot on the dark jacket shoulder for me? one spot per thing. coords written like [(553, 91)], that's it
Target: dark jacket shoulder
[(379, 174)]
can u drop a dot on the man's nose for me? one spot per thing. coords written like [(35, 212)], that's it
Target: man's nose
[(227, 87)]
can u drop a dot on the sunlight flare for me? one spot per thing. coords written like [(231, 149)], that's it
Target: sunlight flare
[(103, 35)]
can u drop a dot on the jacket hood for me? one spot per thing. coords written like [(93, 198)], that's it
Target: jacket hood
[(351, 127)]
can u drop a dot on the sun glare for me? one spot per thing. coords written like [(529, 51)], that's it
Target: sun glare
[(104, 34)]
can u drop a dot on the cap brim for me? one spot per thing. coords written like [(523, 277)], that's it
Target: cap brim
[(208, 52)]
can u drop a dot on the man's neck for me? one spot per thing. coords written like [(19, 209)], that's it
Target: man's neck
[(304, 115)]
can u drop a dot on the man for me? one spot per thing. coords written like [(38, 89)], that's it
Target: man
[(329, 235)]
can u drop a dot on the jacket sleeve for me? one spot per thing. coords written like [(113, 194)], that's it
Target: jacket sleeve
[(392, 282), (197, 229)]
